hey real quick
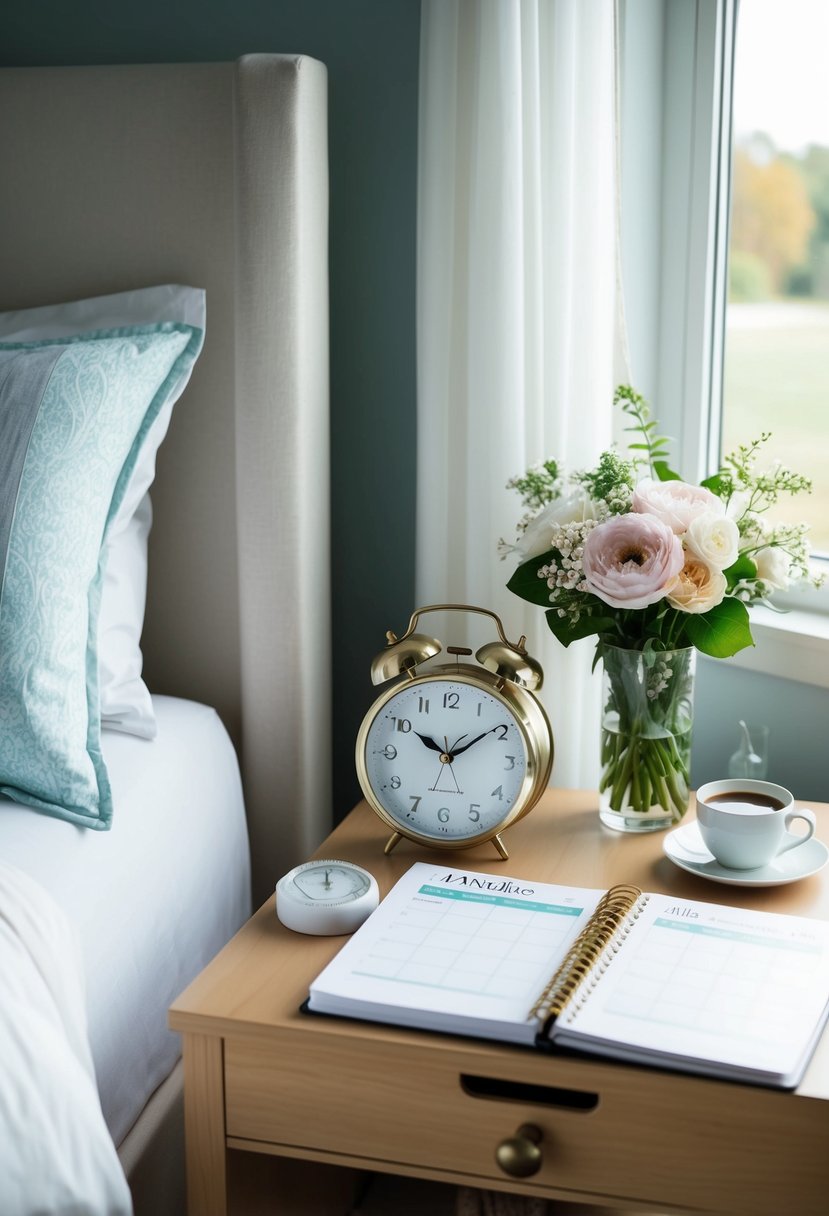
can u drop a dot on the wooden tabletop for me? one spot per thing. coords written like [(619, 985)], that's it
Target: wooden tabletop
[(260, 979)]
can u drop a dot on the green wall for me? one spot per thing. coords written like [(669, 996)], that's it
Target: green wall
[(371, 50)]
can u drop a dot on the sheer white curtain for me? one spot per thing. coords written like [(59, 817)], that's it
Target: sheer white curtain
[(517, 283)]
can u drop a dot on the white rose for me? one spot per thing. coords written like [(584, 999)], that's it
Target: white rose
[(537, 536), (676, 503), (698, 587), (773, 565), (714, 538)]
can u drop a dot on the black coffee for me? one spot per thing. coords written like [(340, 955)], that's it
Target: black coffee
[(747, 798)]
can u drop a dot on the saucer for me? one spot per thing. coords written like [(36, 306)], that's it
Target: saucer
[(686, 849)]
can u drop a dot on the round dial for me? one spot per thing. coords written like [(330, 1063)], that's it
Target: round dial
[(446, 759), (330, 882), (326, 897)]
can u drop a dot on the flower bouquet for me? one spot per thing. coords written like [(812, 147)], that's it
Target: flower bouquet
[(657, 569)]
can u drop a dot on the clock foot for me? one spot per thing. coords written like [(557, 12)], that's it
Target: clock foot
[(392, 841), (499, 844)]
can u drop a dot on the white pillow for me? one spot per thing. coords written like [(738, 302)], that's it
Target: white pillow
[(125, 700)]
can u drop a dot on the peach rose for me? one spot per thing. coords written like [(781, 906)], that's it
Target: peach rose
[(699, 586)]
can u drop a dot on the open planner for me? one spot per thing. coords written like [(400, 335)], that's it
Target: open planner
[(652, 979)]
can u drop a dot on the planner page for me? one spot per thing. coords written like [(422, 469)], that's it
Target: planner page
[(458, 951), (709, 989)]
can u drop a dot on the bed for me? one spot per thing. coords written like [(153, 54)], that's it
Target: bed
[(117, 180)]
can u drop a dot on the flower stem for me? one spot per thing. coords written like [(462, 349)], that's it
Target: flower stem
[(643, 773)]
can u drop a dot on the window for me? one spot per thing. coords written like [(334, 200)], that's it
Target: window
[(776, 357), (677, 63)]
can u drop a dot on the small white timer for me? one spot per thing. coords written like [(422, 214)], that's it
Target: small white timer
[(326, 897)]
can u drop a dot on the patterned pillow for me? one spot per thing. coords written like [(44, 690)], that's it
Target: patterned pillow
[(125, 700), (74, 414)]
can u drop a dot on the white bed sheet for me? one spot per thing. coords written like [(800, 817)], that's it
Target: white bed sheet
[(154, 898)]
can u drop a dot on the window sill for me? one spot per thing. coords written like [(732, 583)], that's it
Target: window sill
[(793, 645)]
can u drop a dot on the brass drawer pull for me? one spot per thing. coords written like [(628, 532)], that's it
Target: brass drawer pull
[(520, 1155)]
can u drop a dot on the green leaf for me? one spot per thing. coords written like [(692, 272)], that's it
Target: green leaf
[(664, 472), (587, 625), (744, 567), (714, 483), (722, 631), (526, 583)]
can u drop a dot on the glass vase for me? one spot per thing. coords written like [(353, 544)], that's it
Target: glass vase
[(647, 720)]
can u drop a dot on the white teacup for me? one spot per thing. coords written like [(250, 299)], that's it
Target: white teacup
[(745, 823)]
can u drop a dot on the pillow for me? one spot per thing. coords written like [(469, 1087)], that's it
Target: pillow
[(125, 701), (74, 416)]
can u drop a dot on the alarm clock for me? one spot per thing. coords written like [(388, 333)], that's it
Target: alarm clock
[(326, 898), (451, 754)]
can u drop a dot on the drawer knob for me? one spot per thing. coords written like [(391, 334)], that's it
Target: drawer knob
[(520, 1155)]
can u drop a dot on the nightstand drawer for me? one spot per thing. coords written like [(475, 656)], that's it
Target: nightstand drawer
[(448, 1111)]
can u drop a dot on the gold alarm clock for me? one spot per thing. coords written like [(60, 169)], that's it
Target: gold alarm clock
[(451, 754)]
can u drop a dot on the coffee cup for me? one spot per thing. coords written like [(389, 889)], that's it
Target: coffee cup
[(745, 823)]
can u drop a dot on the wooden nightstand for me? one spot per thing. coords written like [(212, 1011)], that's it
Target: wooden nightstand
[(264, 1078)]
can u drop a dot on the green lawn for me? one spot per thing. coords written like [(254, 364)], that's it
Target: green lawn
[(777, 379)]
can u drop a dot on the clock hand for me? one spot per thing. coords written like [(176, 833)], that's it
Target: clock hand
[(477, 739), (430, 743)]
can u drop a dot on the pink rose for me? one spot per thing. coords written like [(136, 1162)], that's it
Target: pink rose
[(676, 503), (632, 560)]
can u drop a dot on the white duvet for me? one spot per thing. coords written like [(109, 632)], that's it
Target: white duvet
[(56, 1155)]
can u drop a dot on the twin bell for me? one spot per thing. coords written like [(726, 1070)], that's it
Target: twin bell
[(506, 660)]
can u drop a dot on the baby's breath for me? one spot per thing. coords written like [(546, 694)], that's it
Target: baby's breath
[(540, 485), (612, 481), (758, 490)]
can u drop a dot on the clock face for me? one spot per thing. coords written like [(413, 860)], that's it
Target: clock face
[(330, 881), (326, 897), (446, 759)]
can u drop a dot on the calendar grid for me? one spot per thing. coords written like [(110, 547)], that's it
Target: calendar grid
[(713, 981), (471, 942)]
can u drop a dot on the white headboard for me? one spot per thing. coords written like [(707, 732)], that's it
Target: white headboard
[(213, 175)]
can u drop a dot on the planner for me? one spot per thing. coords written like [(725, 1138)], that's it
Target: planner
[(637, 976)]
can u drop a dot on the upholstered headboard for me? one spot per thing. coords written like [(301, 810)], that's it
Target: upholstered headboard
[(213, 175)]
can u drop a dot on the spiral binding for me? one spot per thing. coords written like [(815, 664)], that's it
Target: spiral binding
[(592, 951)]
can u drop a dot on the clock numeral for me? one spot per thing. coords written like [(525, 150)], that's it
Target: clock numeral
[(480, 707), (395, 783), (390, 752), (498, 793), (510, 762), (416, 799), (451, 700), (402, 724), (503, 729), (443, 814), (423, 705), (474, 811)]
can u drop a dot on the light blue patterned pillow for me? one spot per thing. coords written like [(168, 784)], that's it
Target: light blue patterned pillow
[(73, 416)]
